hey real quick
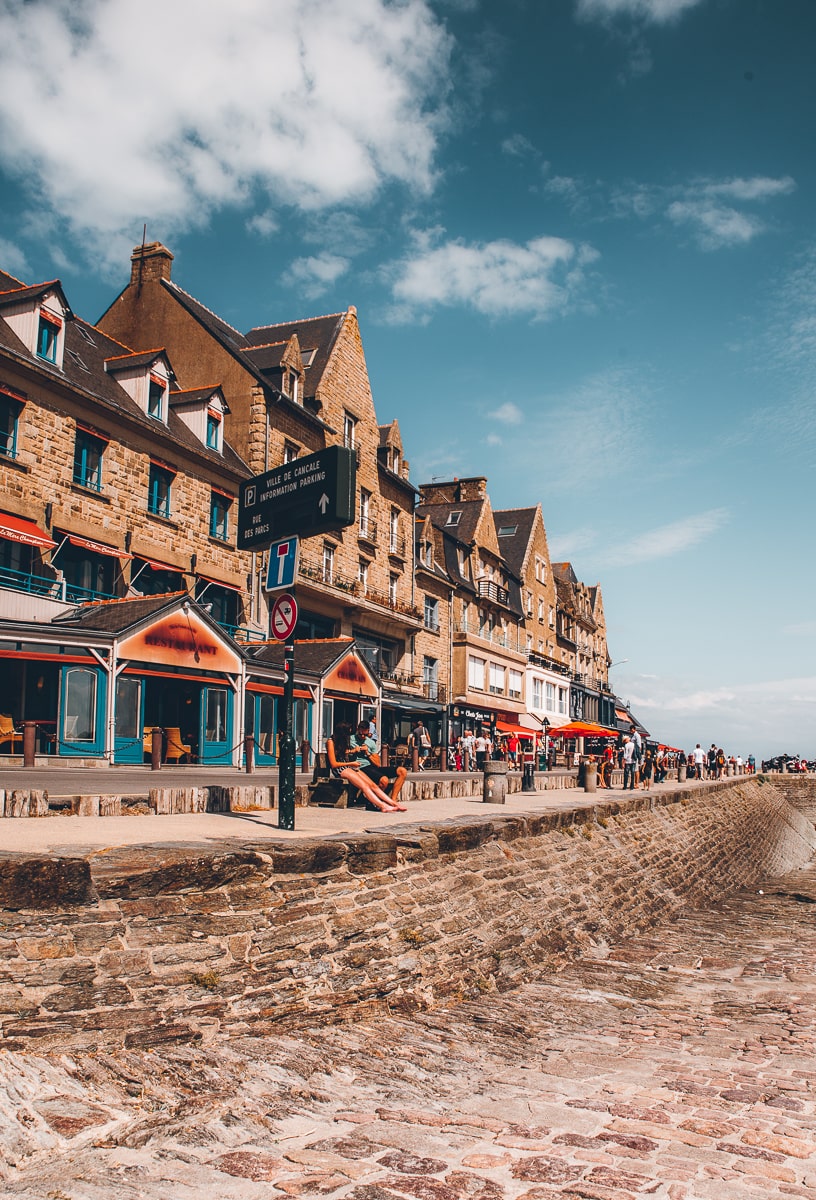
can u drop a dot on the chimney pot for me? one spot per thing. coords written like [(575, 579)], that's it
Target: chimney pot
[(150, 262)]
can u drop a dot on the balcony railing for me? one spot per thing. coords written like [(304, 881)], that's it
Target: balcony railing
[(354, 587), (490, 590), (56, 589), (242, 633), (367, 530), (496, 636), (431, 689), (396, 544), (549, 664)]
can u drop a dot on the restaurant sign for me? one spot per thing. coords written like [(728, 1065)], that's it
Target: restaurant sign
[(180, 640)]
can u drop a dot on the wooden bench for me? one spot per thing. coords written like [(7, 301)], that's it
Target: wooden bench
[(326, 790)]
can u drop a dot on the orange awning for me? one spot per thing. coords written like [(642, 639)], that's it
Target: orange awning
[(506, 727), (97, 547), (17, 529)]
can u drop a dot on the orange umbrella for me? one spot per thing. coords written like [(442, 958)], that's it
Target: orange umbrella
[(577, 729)]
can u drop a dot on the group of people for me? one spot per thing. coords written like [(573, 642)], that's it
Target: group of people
[(713, 763)]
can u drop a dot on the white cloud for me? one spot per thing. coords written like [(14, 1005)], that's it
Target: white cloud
[(763, 717), (667, 540), (508, 414), (315, 274), (657, 11), (265, 224), (493, 439), (13, 260), (758, 188), (499, 279), (518, 146), (715, 225), (116, 113), (564, 547)]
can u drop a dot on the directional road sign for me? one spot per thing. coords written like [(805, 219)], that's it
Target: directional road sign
[(283, 617), (307, 496), (280, 572)]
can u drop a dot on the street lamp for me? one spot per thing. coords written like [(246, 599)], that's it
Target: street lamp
[(619, 663)]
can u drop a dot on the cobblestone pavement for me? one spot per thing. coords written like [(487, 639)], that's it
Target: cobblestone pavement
[(679, 1065)]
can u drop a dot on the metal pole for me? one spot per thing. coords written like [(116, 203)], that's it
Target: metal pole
[(29, 743), (286, 744)]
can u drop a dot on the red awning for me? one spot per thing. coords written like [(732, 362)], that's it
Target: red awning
[(272, 689), (155, 565), (97, 547), (17, 529), (233, 587), (506, 727)]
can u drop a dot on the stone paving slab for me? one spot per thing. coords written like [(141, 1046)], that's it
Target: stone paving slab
[(676, 1065)]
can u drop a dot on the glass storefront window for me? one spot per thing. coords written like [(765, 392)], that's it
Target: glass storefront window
[(216, 728), (265, 734), (80, 705), (128, 707)]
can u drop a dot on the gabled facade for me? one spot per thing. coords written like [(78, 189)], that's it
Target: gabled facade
[(523, 539), (581, 633), (488, 656)]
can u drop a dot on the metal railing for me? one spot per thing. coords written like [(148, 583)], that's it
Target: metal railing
[(496, 636), (355, 587), (490, 590), (34, 585)]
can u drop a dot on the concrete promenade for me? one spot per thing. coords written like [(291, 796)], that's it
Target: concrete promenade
[(58, 833)]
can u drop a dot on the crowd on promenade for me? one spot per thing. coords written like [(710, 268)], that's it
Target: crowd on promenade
[(644, 765)]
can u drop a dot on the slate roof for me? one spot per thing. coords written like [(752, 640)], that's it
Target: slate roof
[(195, 396), (86, 351), (313, 333), (133, 359), (465, 530), (514, 546), (311, 657), (113, 616), (17, 292)]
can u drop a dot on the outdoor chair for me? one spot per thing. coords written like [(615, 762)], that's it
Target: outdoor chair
[(175, 749), (8, 733)]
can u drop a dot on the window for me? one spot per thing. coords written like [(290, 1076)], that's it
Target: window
[(528, 603), (365, 512), (158, 490), (395, 462), (328, 563), (552, 617), (362, 574), (393, 531), (514, 684), (562, 700), (10, 410), (496, 679), (465, 615), (220, 602), (349, 430), (380, 654), (214, 431), (476, 673), (48, 332), (426, 556), (541, 610), (430, 677), (88, 451), (508, 530), (393, 581), (216, 720), (453, 518), (538, 693), (290, 385), (290, 452), (550, 705), (80, 705), (155, 397), (431, 613), (219, 516), (128, 707), (540, 570)]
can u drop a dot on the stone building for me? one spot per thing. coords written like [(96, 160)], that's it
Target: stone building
[(522, 538), (488, 650), (581, 637), (293, 389)]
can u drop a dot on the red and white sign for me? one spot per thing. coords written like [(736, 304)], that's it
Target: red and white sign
[(284, 617)]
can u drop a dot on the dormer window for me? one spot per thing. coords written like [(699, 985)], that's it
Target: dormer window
[(214, 430), (395, 462), (155, 397), (290, 386), (48, 333), (453, 518), (349, 430)]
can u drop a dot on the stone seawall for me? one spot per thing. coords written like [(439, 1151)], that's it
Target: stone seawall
[(142, 947)]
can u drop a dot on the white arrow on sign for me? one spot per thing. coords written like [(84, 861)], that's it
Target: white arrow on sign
[(323, 503)]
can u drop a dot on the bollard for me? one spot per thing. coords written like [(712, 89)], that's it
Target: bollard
[(156, 746), (528, 778), (305, 754), (682, 770), (590, 776), (415, 759), (249, 753), (29, 743), (384, 754), (494, 789)]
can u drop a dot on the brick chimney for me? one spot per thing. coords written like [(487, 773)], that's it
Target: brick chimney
[(150, 262)]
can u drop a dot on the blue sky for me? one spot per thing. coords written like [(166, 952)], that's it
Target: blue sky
[(580, 238)]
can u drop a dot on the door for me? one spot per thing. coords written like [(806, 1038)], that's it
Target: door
[(129, 720), (82, 712), (265, 728), (216, 725)]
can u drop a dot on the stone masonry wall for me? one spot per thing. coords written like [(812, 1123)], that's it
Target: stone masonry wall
[(162, 944)]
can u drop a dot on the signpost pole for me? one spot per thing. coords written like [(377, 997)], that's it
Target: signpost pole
[(286, 744)]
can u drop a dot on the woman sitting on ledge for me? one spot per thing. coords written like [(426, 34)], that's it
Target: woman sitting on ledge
[(343, 765)]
